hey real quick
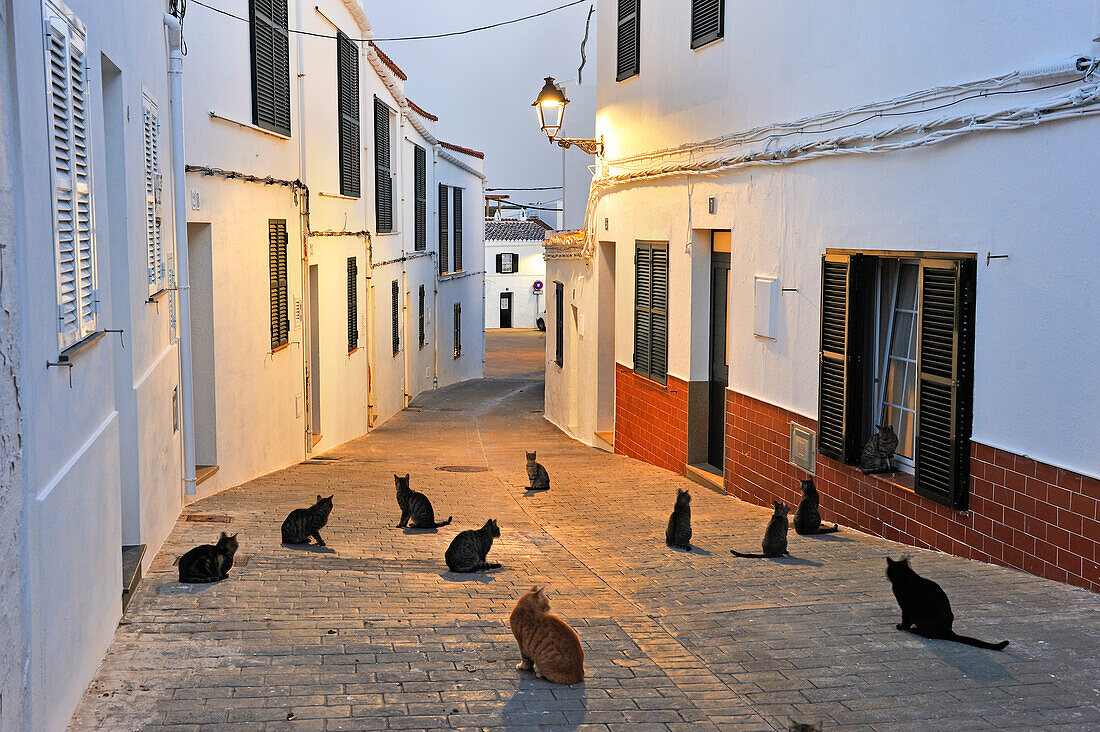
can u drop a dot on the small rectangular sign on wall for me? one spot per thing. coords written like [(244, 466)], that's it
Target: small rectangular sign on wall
[(803, 448), (765, 306)]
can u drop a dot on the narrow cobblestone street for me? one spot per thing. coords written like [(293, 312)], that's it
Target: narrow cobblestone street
[(371, 632)]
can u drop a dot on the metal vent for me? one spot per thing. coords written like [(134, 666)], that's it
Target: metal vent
[(803, 448)]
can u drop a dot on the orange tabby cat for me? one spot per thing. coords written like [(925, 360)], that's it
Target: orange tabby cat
[(547, 644)]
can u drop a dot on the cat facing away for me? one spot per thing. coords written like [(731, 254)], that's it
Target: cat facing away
[(303, 523), (468, 550), (209, 562), (537, 476), (416, 509), (925, 609), (678, 533), (807, 519), (547, 644), (794, 726), (878, 453), (775, 536)]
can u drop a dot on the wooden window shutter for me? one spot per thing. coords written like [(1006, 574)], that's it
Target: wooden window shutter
[(421, 315), (347, 84), (270, 42), (559, 323), (157, 269), (395, 297), (627, 61), (277, 269), (458, 329), (840, 384), (444, 229), (420, 198), (383, 198), (651, 310), (945, 387), (500, 265), (456, 215), (707, 21), (353, 304)]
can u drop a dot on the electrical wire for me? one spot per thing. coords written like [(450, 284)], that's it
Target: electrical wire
[(534, 188)]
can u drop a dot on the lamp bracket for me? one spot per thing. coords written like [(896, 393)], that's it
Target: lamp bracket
[(592, 147)]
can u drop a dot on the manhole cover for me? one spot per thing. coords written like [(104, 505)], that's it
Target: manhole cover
[(463, 468), (208, 518)]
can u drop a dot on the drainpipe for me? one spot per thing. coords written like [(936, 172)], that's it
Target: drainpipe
[(306, 351), (183, 279), (405, 294), (435, 272)]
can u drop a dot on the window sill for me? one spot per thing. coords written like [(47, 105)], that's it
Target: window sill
[(701, 44), (157, 295), (387, 233), (898, 479), (80, 346), (276, 349), (340, 196), (354, 350), (247, 126)]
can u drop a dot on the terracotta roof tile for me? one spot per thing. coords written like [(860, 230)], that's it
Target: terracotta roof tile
[(463, 150), (389, 62), (419, 110)]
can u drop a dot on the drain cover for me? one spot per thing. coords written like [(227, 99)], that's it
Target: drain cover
[(463, 468), (209, 518)]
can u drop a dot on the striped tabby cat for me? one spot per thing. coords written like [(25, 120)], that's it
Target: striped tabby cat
[(678, 533), (775, 536), (878, 453), (468, 550), (303, 523), (209, 562), (537, 476), (415, 507), (807, 519), (547, 645)]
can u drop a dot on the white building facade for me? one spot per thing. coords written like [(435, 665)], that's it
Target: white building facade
[(793, 238), (515, 273)]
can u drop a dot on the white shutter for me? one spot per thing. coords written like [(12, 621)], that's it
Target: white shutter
[(157, 269)]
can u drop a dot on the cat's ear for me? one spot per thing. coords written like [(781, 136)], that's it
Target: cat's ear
[(319, 499), (223, 536), (332, 496), (406, 476)]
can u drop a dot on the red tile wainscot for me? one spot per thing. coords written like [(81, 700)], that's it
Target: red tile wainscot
[(651, 419)]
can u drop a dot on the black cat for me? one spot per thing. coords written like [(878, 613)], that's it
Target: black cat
[(678, 533), (303, 523), (775, 536), (925, 609), (468, 550), (415, 507), (807, 519), (209, 562)]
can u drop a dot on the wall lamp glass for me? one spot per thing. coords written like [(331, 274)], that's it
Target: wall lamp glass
[(550, 108)]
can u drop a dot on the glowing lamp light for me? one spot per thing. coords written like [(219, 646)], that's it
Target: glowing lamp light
[(550, 107)]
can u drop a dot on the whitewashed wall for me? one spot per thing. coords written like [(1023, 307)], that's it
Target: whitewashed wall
[(526, 306)]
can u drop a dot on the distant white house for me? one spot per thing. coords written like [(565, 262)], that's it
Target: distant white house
[(515, 273)]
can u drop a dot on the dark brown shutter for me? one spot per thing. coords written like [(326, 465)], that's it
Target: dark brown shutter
[(500, 266), (276, 263), (347, 83), (420, 198), (559, 323), (651, 310), (270, 42), (395, 311), (444, 229), (353, 304), (457, 216), (707, 17), (628, 40), (945, 386), (458, 329), (383, 191), (421, 315), (840, 386)]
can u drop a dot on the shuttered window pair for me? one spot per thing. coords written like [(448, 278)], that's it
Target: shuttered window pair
[(353, 304), (629, 40), (456, 218), (420, 318), (507, 263), (944, 366), (458, 329), (347, 103), (270, 42), (651, 310), (420, 198), (395, 312), (707, 21), (74, 237), (444, 230), (559, 323), (157, 266), (276, 264), (383, 180)]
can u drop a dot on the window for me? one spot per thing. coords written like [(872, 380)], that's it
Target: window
[(347, 106), (395, 296), (420, 198), (276, 263), (456, 215), (651, 310), (421, 315), (444, 265), (559, 323), (74, 241), (707, 21), (507, 263), (157, 267), (270, 42), (383, 191), (458, 329), (912, 321), (626, 64), (353, 304)]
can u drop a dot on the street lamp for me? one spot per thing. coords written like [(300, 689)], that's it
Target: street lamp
[(550, 107)]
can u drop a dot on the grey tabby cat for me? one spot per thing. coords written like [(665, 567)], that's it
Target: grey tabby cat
[(794, 726), (536, 474), (878, 453), (415, 507), (678, 533), (807, 519), (775, 536), (303, 523), (209, 562), (468, 550)]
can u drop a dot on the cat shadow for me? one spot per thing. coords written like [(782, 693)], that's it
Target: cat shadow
[(834, 536), (535, 696), (796, 561), (412, 530), (979, 664), (528, 492), (173, 587), (311, 548), (480, 577), (694, 550)]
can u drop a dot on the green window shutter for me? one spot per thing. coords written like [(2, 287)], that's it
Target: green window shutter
[(458, 329), (456, 215), (840, 385), (277, 270), (444, 229), (945, 387), (628, 37), (651, 310), (353, 304), (707, 21), (383, 192), (559, 323), (395, 295), (347, 102), (421, 315), (270, 41), (420, 198)]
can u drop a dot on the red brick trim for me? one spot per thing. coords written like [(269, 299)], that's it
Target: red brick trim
[(651, 419), (389, 63), (1023, 513), (421, 111), (464, 150)]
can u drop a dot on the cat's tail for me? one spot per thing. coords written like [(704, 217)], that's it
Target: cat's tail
[(975, 642), (827, 530), (443, 523), (736, 553)]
